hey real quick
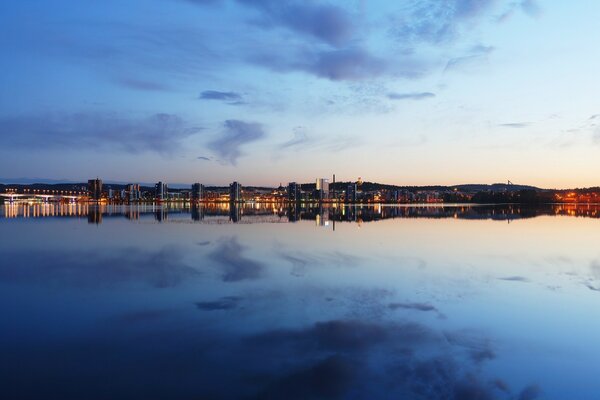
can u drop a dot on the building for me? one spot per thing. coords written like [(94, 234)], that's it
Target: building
[(293, 192), (161, 191), (134, 192), (322, 189), (197, 192), (351, 193), (235, 192), (95, 189)]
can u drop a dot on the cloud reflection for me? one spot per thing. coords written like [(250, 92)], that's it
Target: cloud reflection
[(236, 267), (97, 268)]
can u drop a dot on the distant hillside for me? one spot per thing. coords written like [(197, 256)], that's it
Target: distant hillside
[(495, 187)]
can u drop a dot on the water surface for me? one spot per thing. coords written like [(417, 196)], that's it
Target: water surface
[(266, 301)]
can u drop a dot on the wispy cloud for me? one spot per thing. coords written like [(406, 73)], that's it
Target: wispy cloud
[(515, 125), (437, 21), (514, 279), (160, 133), (235, 135), (224, 303), (328, 23), (471, 57), (411, 96), (352, 63), (229, 97), (144, 85), (412, 306), (529, 7), (300, 139)]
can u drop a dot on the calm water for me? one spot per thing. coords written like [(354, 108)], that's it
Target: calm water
[(270, 302)]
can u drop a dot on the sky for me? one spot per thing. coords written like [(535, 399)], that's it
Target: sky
[(270, 91)]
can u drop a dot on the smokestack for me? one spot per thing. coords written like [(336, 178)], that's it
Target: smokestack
[(334, 196)]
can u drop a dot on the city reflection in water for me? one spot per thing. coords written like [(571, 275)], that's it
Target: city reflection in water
[(323, 215), (263, 301)]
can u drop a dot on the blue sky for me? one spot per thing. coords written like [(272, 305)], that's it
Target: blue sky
[(267, 91)]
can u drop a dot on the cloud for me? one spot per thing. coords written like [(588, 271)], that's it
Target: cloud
[(203, 158), (412, 306), (352, 63), (236, 134), (225, 303), (203, 2), (529, 7), (235, 266), (139, 84), (160, 269), (410, 96), (530, 393), (473, 57), (328, 378), (345, 335), (160, 133), (223, 96), (332, 358), (589, 286), (514, 279), (300, 260), (515, 125), (328, 23), (436, 21), (478, 348), (300, 139), (143, 316)]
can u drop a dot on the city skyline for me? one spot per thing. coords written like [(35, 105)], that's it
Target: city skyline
[(417, 93)]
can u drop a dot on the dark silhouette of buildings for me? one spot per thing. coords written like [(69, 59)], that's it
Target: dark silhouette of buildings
[(95, 189), (294, 192), (351, 193), (235, 192), (197, 192), (162, 191)]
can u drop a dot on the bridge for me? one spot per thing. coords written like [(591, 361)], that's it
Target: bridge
[(39, 197)]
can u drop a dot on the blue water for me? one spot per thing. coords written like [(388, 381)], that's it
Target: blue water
[(264, 301)]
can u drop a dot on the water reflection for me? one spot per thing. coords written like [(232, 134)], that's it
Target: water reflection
[(323, 215), (213, 302)]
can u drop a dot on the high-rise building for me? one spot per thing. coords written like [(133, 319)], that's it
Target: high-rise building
[(235, 192), (197, 192), (322, 189), (351, 193), (162, 191), (133, 190), (293, 191), (95, 189)]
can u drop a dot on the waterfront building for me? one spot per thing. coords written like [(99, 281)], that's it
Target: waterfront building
[(235, 192), (133, 190), (161, 191), (351, 193), (322, 189), (197, 192), (95, 189), (293, 192)]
